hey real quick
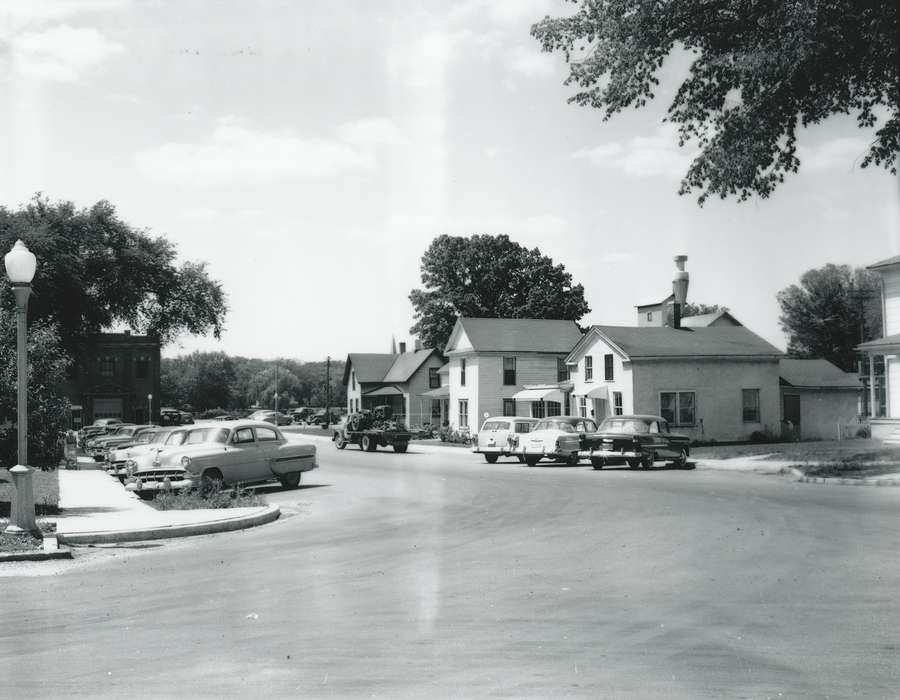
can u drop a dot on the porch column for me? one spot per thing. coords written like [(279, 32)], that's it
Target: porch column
[(872, 413)]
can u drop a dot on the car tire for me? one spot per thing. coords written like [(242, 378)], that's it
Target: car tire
[(647, 460), (211, 481), (491, 459), (633, 463), (598, 462), (340, 442), (291, 480), (532, 461), (401, 447), (682, 459), (367, 443)]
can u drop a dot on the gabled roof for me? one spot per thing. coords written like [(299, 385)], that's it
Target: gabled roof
[(703, 320), (637, 342), (885, 263), (385, 367), (816, 373), (406, 365), (669, 298), (516, 334), (369, 367), (886, 343)]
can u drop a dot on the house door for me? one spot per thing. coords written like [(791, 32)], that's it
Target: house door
[(791, 412)]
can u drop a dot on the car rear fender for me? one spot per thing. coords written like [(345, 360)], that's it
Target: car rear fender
[(292, 457)]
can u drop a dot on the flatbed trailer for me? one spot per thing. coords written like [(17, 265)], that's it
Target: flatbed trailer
[(372, 438)]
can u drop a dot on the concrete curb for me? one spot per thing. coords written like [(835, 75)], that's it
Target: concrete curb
[(51, 550), (242, 522), (835, 481)]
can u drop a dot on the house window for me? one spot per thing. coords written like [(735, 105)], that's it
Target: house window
[(554, 408), (617, 403), (509, 407), (142, 368), (649, 315), (509, 371), (434, 379), (464, 412), (678, 407), (353, 381), (588, 368), (562, 370), (107, 366), (750, 400), (435, 411), (608, 367), (537, 409), (582, 406), (462, 372)]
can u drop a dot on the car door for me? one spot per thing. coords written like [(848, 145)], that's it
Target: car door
[(267, 444), (238, 462)]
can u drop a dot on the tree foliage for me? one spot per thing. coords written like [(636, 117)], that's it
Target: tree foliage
[(760, 70), (492, 277), (95, 271), (700, 309), (47, 409), (831, 311)]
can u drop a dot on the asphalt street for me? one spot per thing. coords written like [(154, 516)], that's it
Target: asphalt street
[(437, 575)]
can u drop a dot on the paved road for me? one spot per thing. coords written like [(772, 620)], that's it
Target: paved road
[(436, 575)]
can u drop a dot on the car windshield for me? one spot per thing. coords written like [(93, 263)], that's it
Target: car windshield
[(146, 436), (125, 431), (630, 426), (562, 425), (159, 436), (495, 425)]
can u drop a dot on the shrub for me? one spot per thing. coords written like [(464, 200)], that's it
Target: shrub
[(215, 497), (759, 436), (864, 431)]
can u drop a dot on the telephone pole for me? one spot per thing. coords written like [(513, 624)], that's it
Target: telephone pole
[(328, 390)]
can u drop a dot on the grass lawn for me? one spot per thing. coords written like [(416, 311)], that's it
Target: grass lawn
[(23, 543), (854, 458), (46, 492)]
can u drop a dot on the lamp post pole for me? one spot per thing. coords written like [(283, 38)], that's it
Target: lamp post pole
[(20, 266), (149, 408)]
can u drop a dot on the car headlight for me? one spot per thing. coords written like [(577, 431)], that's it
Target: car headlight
[(185, 461)]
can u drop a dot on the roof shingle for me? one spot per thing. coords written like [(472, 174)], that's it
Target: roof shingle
[(520, 334), (715, 341), (816, 373)]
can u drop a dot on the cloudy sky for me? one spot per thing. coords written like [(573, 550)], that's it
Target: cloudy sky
[(309, 152)]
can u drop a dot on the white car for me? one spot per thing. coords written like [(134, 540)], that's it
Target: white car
[(503, 436), (558, 438), (241, 452), (146, 442)]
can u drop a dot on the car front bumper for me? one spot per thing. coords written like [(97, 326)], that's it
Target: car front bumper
[(140, 486)]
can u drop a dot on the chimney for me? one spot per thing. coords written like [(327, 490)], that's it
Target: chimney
[(680, 282), (417, 344), (402, 348)]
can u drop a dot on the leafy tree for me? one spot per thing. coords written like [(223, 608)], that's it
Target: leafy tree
[(47, 409), (700, 309), (760, 69), (832, 310), (96, 271), (489, 276), (202, 380)]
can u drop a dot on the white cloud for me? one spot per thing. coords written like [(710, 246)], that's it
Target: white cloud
[(60, 53), (531, 62), (19, 14), (377, 131), (642, 156), (838, 154), (237, 154)]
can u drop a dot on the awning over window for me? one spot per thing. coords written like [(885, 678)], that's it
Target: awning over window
[(441, 392), (385, 391), (551, 394), (599, 392)]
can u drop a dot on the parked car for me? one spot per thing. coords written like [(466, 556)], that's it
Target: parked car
[(147, 442), (502, 436), (242, 452), (187, 418), (559, 438), (637, 440), (273, 417), (299, 415), (111, 431), (189, 439), (123, 437), (99, 427)]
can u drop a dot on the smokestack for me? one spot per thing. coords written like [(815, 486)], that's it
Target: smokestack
[(402, 348), (680, 281), (417, 344)]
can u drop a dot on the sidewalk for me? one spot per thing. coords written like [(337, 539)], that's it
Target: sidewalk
[(95, 509)]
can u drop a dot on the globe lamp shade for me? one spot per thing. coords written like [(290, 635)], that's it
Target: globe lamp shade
[(20, 264)]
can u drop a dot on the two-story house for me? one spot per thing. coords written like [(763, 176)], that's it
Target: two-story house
[(399, 380), (508, 366)]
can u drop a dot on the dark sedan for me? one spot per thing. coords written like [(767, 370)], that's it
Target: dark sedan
[(637, 441)]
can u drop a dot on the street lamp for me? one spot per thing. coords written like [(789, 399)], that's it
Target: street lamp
[(20, 267), (276, 401), (149, 408)]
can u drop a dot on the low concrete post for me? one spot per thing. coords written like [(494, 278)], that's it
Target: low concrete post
[(21, 516)]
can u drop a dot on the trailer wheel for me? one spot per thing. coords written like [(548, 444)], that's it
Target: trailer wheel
[(368, 443), (400, 447)]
